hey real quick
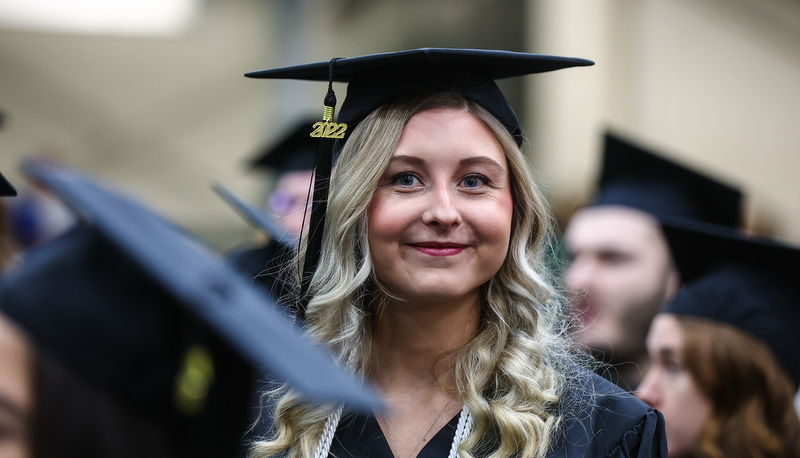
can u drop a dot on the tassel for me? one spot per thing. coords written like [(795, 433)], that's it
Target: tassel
[(327, 132)]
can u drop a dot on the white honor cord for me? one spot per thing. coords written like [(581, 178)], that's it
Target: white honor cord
[(331, 423), (463, 429)]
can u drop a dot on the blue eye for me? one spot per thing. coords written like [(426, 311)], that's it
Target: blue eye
[(405, 179), (474, 181)]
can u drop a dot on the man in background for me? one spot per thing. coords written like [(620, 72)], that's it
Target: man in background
[(622, 271)]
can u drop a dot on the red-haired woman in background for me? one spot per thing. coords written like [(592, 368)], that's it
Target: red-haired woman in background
[(725, 366)]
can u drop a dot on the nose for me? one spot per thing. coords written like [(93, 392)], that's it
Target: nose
[(441, 209), (648, 390)]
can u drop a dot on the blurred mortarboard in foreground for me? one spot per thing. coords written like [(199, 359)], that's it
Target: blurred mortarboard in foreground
[(634, 177), (750, 283), (6, 189), (378, 78), (294, 151), (134, 304)]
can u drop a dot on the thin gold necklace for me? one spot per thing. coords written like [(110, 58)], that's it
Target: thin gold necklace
[(395, 450)]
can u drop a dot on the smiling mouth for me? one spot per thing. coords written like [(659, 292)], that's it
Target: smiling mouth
[(439, 249)]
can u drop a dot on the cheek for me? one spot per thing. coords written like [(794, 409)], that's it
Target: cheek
[(382, 222), (686, 411)]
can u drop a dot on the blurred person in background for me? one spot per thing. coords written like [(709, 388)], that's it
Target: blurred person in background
[(37, 216), (289, 165), (725, 361), (8, 249), (621, 271)]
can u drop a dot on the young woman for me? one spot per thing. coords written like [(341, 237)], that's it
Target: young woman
[(725, 366), (431, 281)]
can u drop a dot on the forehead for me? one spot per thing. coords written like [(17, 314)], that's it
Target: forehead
[(665, 333), (449, 130), (613, 227)]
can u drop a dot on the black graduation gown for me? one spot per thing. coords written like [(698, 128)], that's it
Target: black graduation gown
[(600, 420)]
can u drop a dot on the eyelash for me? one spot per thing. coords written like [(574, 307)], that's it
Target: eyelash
[(396, 179)]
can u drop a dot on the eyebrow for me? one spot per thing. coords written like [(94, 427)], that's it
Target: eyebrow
[(410, 160), (468, 161), (482, 160)]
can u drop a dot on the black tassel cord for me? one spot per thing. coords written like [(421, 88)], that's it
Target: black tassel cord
[(327, 133)]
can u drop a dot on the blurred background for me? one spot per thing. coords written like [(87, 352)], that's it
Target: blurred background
[(150, 95)]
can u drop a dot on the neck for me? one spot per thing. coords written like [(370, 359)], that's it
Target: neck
[(410, 338)]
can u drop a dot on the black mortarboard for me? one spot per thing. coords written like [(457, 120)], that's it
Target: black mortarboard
[(376, 79), (750, 283), (137, 306), (634, 177), (6, 189), (294, 151)]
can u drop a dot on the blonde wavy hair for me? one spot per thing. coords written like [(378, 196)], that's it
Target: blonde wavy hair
[(511, 375)]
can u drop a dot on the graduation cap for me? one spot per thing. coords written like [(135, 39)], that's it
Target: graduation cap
[(6, 189), (264, 264), (294, 151), (376, 79), (633, 176), (254, 215), (135, 305), (747, 282)]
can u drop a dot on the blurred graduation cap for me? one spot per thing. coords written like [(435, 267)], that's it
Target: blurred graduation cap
[(294, 151), (750, 283), (376, 79), (254, 215), (633, 176), (137, 306), (266, 263), (6, 189)]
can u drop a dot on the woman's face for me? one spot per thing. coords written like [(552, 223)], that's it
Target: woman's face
[(669, 387), (16, 398), (440, 219)]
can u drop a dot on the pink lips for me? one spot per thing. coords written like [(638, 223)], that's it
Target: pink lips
[(439, 248)]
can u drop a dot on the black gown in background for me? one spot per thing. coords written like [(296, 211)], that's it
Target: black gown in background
[(599, 420)]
